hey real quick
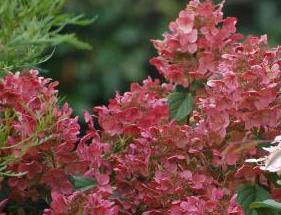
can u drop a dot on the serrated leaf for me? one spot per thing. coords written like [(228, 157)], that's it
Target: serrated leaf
[(247, 194), (82, 183), (180, 105)]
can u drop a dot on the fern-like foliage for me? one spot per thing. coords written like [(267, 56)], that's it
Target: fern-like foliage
[(29, 27)]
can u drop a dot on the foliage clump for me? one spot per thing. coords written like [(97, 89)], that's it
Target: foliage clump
[(29, 27)]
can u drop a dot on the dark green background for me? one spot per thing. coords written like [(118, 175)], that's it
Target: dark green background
[(121, 43)]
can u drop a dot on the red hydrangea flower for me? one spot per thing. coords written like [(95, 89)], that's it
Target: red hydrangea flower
[(39, 134)]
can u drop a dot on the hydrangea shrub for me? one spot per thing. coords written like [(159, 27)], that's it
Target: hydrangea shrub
[(172, 148)]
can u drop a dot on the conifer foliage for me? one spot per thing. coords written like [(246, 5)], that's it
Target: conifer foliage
[(29, 27)]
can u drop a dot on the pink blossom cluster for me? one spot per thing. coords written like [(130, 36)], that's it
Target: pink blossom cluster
[(81, 203), (39, 137), (144, 162), (196, 41)]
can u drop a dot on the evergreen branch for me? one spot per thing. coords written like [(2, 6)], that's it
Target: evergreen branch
[(29, 27)]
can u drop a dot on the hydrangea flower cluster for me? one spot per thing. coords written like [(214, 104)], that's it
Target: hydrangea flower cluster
[(140, 159), (38, 137), (196, 41)]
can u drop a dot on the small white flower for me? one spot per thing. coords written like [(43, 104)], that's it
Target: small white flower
[(253, 160), (273, 161), (277, 139)]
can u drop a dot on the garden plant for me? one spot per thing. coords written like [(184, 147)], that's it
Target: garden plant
[(203, 140)]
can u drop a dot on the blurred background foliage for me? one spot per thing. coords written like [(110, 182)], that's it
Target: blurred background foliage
[(120, 38)]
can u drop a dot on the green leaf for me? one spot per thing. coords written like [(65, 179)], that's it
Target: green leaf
[(180, 104), (267, 211), (196, 84), (268, 203), (82, 183), (247, 194)]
